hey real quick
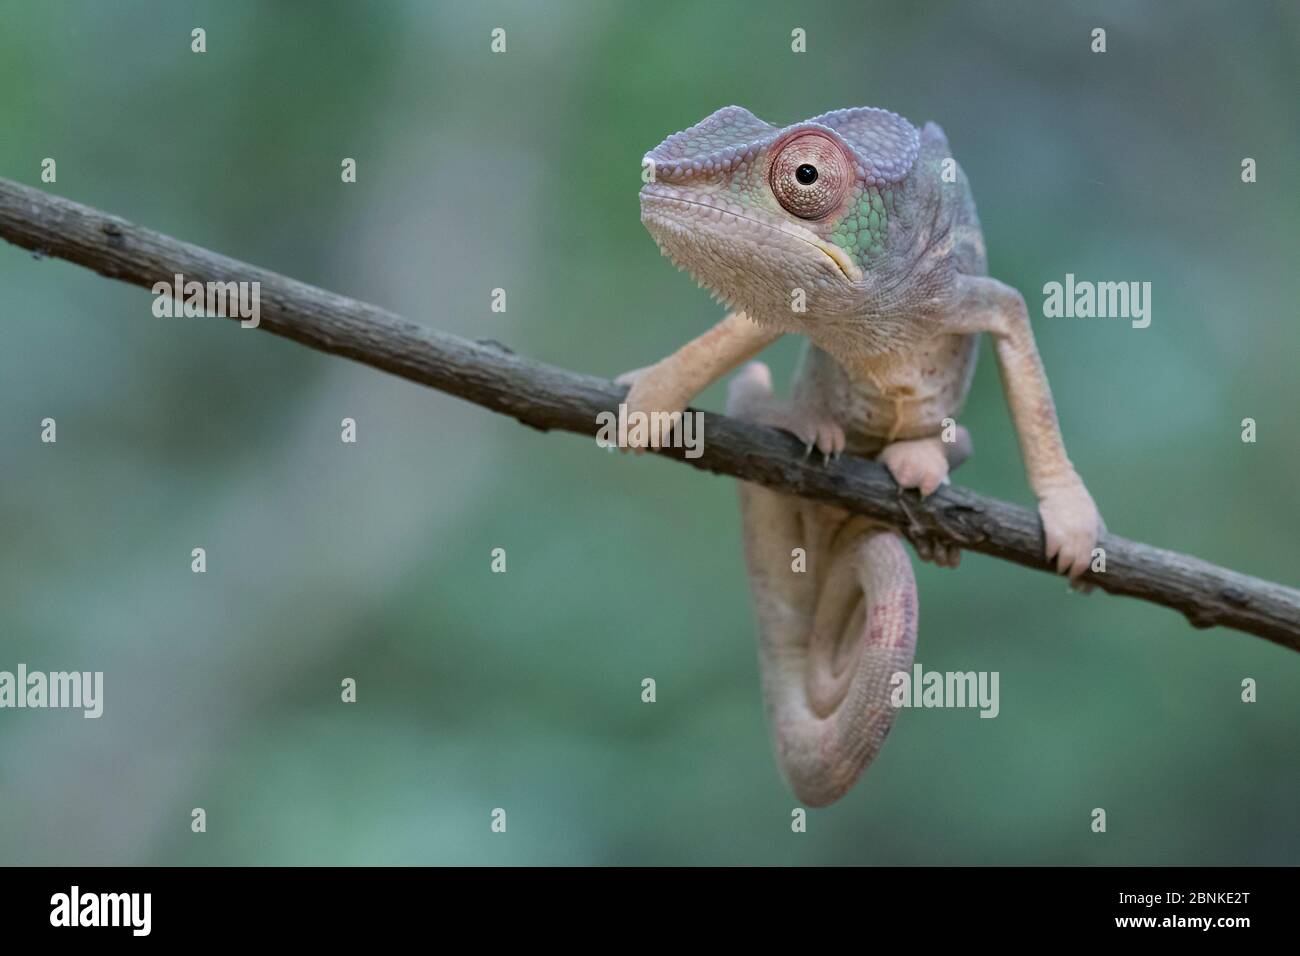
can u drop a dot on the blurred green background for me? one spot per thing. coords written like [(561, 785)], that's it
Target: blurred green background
[(522, 691)]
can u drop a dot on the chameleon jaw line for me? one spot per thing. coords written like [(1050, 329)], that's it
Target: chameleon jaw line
[(847, 267)]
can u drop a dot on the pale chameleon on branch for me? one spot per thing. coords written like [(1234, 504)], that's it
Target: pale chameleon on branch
[(845, 229)]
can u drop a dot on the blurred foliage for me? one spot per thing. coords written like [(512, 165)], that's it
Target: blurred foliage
[(521, 690)]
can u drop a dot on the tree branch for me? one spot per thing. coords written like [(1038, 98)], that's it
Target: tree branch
[(546, 397)]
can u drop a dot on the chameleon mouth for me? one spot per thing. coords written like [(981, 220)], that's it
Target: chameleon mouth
[(847, 267)]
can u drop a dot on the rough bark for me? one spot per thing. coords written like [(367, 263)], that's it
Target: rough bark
[(547, 397)]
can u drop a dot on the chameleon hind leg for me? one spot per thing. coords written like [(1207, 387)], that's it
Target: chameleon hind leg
[(924, 464), (749, 396), (831, 635)]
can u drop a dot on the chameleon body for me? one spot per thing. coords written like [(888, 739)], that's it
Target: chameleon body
[(858, 231)]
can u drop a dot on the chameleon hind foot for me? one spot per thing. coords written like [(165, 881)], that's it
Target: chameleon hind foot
[(749, 396), (924, 464), (919, 463)]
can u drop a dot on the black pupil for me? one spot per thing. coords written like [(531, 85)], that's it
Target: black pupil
[(806, 174)]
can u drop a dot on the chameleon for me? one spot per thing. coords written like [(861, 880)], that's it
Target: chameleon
[(858, 231)]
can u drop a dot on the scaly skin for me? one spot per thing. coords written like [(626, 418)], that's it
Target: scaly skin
[(850, 215)]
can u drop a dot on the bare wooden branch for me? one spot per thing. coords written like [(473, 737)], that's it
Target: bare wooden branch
[(546, 397)]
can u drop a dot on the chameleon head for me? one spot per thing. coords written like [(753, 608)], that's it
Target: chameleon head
[(783, 223)]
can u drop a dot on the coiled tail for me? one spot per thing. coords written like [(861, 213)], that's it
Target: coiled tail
[(830, 637)]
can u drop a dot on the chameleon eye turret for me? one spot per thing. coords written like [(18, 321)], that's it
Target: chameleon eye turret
[(811, 175)]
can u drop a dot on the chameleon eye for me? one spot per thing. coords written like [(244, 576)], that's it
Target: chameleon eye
[(810, 175)]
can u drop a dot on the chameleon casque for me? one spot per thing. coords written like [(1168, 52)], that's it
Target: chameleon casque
[(850, 216)]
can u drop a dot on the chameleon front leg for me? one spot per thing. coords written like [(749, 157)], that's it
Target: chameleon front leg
[(1071, 522), (670, 384)]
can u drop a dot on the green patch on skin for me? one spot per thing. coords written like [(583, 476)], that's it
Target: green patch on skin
[(861, 231)]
